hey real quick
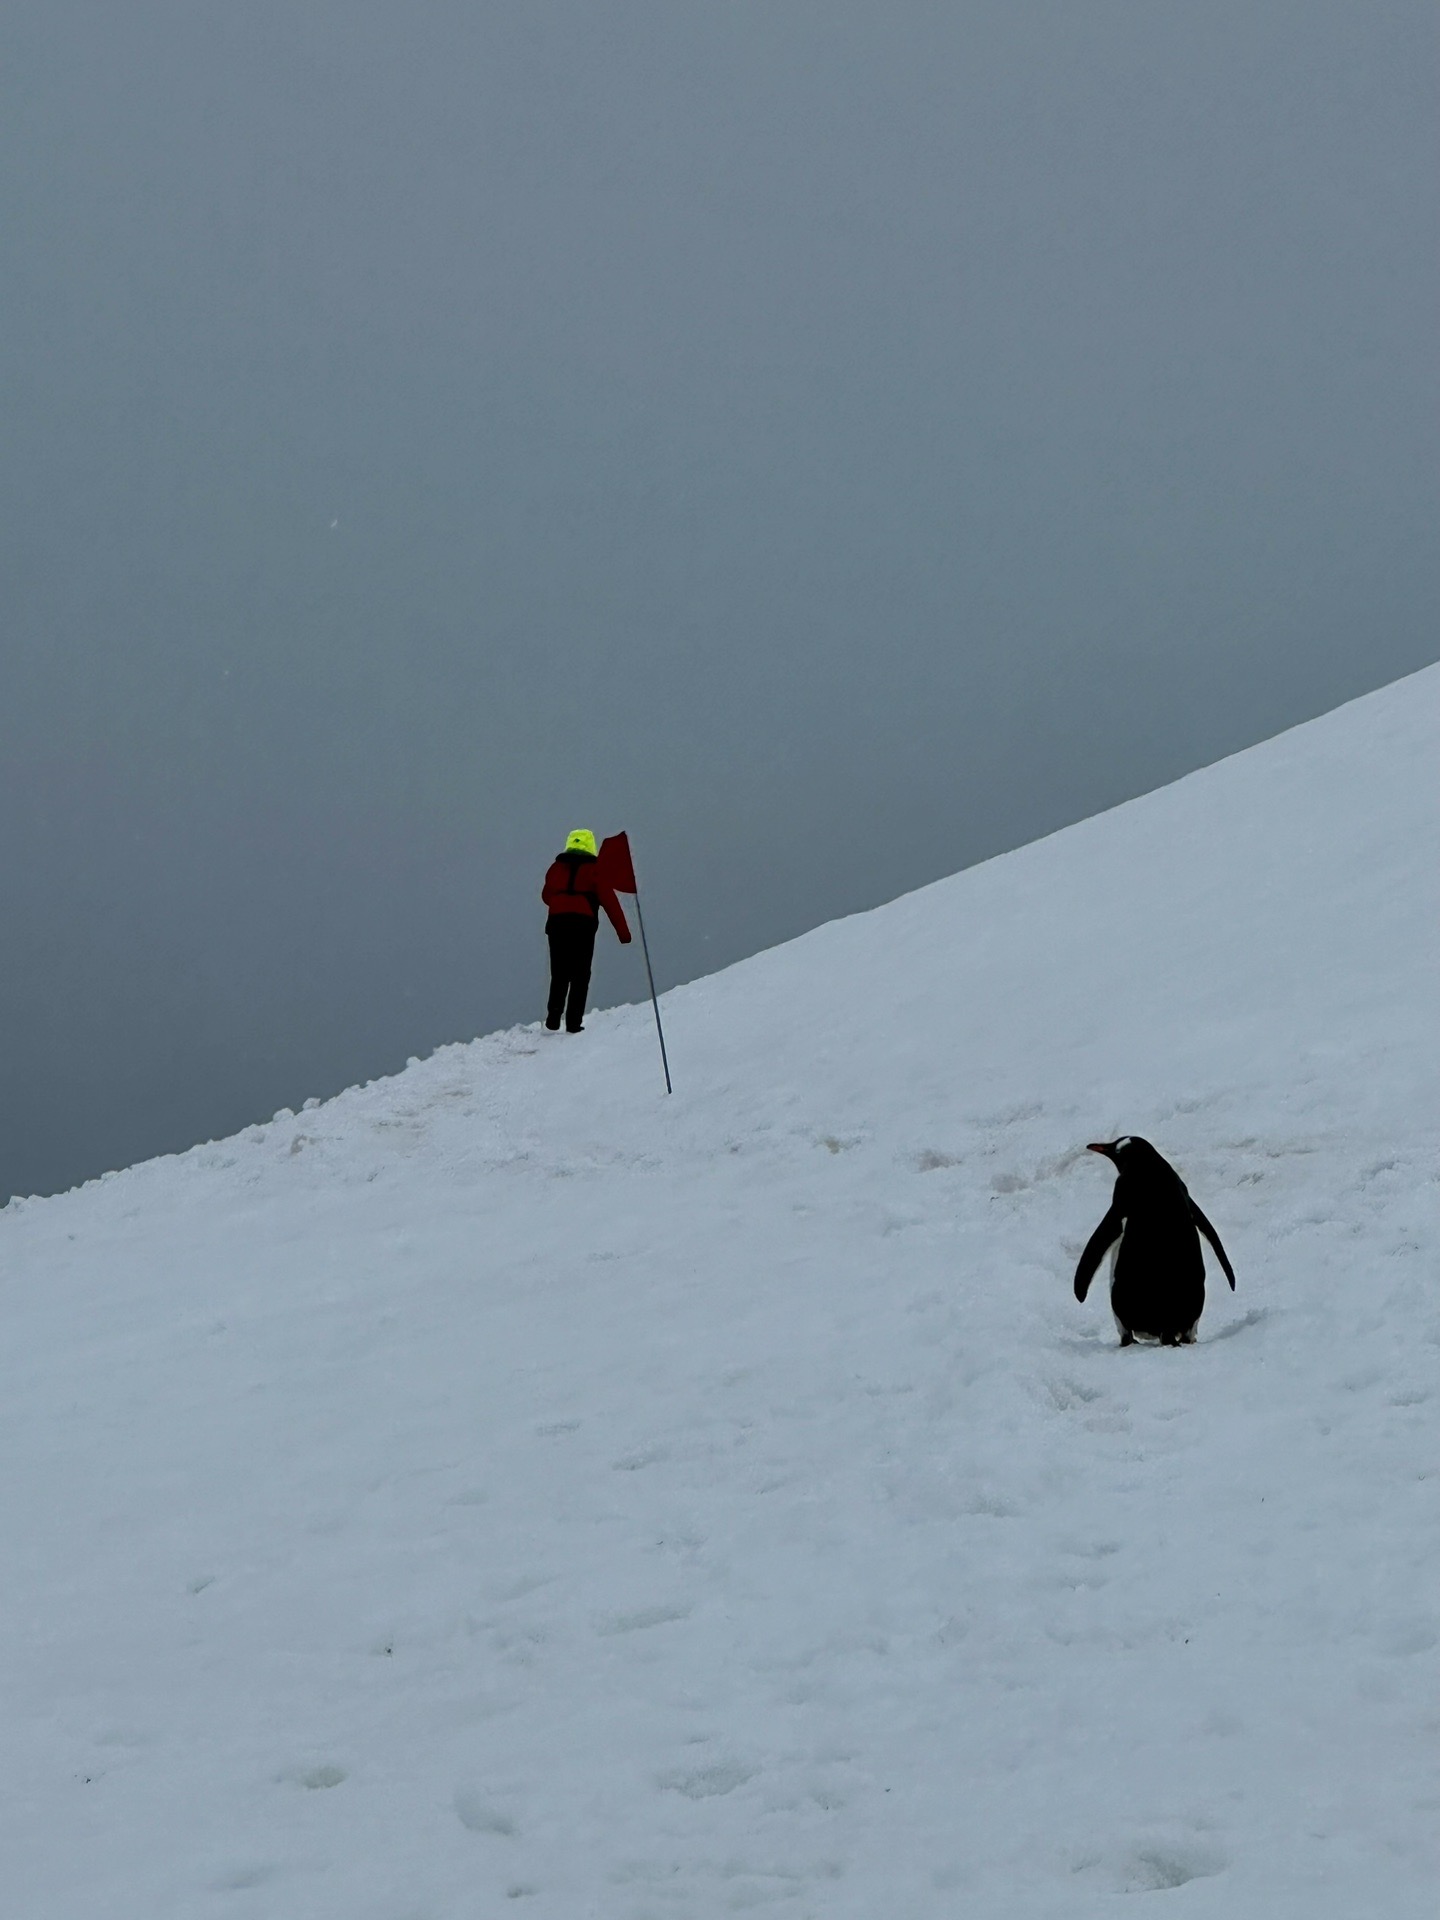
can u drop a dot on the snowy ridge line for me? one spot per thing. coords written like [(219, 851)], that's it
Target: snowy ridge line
[(1309, 758)]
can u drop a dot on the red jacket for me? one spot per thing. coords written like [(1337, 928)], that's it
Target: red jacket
[(574, 885)]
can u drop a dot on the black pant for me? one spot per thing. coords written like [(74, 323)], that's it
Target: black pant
[(572, 948)]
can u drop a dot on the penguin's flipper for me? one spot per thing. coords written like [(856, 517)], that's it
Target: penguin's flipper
[(1214, 1239), (1105, 1235)]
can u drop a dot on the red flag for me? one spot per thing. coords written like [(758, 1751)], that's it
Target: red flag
[(617, 869), (617, 872)]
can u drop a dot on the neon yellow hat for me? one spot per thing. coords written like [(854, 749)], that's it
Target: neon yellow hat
[(581, 841)]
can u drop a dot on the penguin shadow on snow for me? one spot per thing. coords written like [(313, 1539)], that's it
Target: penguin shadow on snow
[(1256, 1317), (1152, 1232)]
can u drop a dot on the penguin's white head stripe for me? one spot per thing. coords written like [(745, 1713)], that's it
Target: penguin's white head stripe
[(1124, 1142)]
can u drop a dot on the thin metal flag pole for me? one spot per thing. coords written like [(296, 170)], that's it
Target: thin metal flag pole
[(654, 997)]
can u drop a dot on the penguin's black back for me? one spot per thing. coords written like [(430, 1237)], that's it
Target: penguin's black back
[(1158, 1279)]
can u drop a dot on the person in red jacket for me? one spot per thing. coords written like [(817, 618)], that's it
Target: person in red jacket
[(575, 890)]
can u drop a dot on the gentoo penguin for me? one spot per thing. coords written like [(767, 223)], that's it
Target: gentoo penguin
[(1157, 1273)]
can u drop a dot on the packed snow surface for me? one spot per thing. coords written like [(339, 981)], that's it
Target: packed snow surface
[(504, 1489)]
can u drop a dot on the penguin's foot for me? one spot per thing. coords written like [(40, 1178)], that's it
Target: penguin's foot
[(1127, 1338)]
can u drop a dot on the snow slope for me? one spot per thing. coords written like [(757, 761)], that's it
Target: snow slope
[(505, 1490)]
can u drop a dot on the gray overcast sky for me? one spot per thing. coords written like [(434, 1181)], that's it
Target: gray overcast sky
[(835, 441)]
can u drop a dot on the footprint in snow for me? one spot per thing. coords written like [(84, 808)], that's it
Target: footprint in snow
[(1156, 1867), (481, 1816), (1159, 1869), (931, 1160), (707, 1783), (1064, 1395), (640, 1618)]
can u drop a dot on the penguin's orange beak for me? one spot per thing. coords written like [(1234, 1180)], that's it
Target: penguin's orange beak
[(1107, 1147)]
